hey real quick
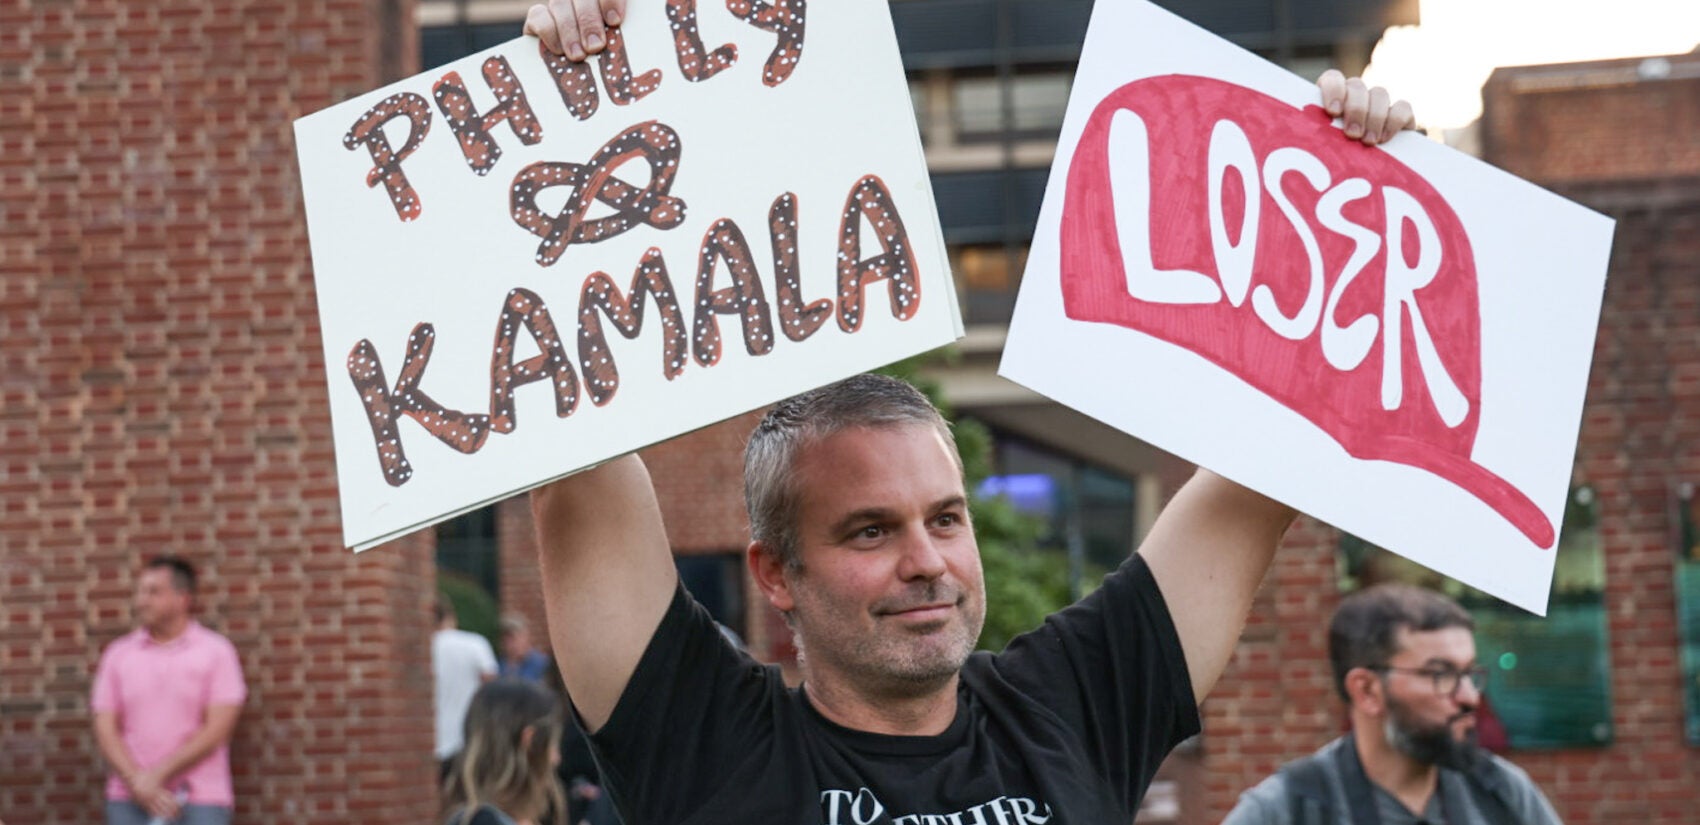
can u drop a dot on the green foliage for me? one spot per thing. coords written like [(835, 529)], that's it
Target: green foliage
[(475, 609), (1023, 584)]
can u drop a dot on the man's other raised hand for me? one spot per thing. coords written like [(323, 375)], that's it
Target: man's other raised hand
[(575, 28), (1367, 114)]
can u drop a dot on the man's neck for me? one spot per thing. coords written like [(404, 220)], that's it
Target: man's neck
[(1411, 782), (168, 631), (927, 714)]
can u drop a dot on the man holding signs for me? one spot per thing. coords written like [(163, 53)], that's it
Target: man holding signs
[(861, 538)]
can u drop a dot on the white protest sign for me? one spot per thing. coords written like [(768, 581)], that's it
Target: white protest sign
[(1395, 340), (526, 266)]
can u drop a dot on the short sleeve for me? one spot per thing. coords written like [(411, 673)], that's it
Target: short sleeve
[(1112, 669), (486, 656), (228, 687), (1532, 805), (1264, 804), (105, 698), (693, 710)]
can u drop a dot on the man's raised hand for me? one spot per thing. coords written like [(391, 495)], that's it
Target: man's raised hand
[(1367, 114), (575, 28)]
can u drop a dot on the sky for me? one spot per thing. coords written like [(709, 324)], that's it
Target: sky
[(1440, 65)]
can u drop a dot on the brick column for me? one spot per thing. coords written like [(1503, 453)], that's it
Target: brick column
[(161, 390)]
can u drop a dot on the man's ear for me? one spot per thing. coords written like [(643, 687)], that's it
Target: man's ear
[(1366, 691), (768, 570)]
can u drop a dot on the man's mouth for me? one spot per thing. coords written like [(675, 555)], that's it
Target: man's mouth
[(1462, 725), (924, 611)]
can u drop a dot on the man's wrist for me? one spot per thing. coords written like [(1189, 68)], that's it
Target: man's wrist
[(139, 779)]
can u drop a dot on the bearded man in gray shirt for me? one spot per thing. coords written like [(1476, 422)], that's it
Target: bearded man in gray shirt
[(1404, 660)]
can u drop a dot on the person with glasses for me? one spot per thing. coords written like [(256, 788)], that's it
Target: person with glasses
[(1404, 661)]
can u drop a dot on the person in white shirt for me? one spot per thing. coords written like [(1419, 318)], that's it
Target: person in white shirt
[(461, 662)]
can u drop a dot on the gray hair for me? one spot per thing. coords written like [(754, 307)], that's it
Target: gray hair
[(770, 493), (1365, 629)]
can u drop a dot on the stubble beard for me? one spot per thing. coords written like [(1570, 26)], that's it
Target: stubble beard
[(894, 661)]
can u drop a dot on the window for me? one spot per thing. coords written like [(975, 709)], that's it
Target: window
[(987, 267), (920, 98), (443, 44), (1549, 681), (716, 581), (468, 570), (1037, 103), (1688, 601), (986, 279)]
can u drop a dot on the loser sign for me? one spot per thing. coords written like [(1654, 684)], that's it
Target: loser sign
[(1395, 340), (526, 265)]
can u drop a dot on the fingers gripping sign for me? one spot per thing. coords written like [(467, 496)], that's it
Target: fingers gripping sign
[(575, 28), (1366, 114)]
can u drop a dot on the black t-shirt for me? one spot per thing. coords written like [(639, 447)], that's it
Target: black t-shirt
[(1066, 726)]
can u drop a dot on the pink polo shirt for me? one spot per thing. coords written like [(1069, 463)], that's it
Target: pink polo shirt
[(160, 693)]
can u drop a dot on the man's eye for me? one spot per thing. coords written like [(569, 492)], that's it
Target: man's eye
[(872, 531)]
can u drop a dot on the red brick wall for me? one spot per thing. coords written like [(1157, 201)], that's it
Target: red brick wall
[(1640, 437), (161, 390), (1275, 701), (699, 479), (521, 585), (1594, 121)]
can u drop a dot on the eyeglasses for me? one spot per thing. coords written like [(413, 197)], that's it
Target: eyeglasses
[(1446, 680)]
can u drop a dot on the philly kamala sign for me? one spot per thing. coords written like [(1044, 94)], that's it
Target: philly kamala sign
[(526, 266), (1395, 340)]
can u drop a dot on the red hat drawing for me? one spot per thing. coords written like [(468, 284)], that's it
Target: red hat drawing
[(1322, 272)]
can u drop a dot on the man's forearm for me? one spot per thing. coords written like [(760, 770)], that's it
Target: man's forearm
[(608, 577), (112, 747), (1208, 552), (220, 723)]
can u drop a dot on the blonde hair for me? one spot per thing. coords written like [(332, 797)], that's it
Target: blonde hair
[(496, 767)]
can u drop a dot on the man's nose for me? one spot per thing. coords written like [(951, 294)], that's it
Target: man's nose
[(1467, 695), (922, 558)]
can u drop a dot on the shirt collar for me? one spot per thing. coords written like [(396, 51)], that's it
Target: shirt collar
[(192, 628)]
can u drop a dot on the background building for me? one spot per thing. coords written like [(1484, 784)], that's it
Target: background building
[(1617, 136), (161, 389)]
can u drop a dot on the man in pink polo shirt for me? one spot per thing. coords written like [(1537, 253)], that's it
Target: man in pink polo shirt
[(165, 702)]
